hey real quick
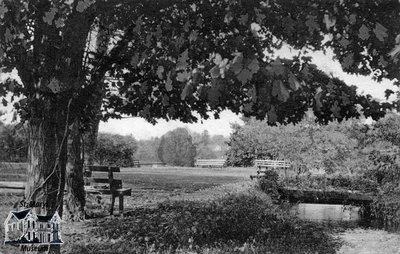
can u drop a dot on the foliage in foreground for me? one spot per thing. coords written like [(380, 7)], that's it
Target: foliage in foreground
[(235, 223)]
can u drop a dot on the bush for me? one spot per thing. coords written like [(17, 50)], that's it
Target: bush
[(229, 225)]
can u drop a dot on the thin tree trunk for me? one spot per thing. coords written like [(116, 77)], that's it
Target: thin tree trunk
[(74, 209), (92, 140)]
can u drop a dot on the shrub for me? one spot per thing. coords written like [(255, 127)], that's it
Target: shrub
[(228, 224)]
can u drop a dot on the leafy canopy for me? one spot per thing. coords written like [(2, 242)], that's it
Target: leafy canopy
[(173, 58)]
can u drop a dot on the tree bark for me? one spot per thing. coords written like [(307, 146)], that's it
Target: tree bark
[(74, 206), (92, 141), (47, 159), (47, 154)]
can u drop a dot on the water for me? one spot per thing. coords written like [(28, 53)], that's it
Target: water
[(324, 212)]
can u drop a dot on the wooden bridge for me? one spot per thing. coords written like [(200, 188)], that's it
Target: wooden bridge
[(317, 196), (325, 196)]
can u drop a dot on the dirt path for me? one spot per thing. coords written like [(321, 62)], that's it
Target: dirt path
[(368, 241)]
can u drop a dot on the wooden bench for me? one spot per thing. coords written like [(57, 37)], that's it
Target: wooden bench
[(13, 177), (100, 180), (136, 164), (210, 163), (152, 163), (264, 165)]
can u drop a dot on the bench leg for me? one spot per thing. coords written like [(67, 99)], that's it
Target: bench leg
[(121, 204), (112, 204)]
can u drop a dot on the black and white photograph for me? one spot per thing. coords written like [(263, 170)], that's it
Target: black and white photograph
[(200, 126)]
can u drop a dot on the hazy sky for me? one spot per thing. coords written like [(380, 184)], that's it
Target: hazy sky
[(141, 129)]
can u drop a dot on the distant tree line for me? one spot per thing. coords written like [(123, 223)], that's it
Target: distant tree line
[(178, 147), (347, 146), (181, 147), (13, 143), (111, 149), (114, 149)]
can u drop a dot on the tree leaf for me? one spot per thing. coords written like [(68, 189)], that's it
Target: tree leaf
[(160, 71), (182, 60), (293, 82), (329, 21), (336, 110), (254, 66), (183, 76), (363, 32), (248, 107), (215, 72), (395, 51), (8, 36), (252, 94), (272, 116), (4, 102), (186, 91), (237, 63), (243, 19), (276, 68), (186, 27), (199, 22), (255, 28), (259, 16), (193, 36), (54, 85), (135, 60), (49, 16), (3, 9), (59, 23), (168, 84), (312, 25), (348, 61), (344, 42), (213, 96), (165, 100), (244, 76), (380, 32), (279, 90), (83, 5), (228, 17), (317, 97), (217, 59)]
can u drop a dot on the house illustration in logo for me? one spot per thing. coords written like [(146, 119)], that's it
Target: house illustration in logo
[(26, 227)]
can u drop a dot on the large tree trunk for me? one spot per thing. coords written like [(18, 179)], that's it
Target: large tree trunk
[(74, 209), (47, 156), (47, 159)]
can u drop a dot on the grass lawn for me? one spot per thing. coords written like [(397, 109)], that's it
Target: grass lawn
[(182, 210)]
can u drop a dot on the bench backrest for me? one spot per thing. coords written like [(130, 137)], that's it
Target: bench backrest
[(13, 171), (101, 180), (136, 163), (210, 162), (272, 163), (13, 177)]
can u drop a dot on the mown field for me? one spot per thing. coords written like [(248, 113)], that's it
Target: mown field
[(195, 210), (188, 210)]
